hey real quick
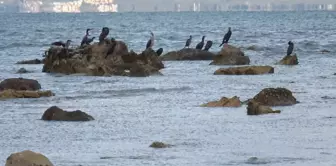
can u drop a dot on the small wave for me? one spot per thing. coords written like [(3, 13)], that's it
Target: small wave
[(143, 157), (16, 45), (100, 81), (268, 161)]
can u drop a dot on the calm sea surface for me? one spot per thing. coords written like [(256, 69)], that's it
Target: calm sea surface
[(131, 113)]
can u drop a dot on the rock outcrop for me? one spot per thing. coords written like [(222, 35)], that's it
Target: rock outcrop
[(275, 97), (188, 54), (105, 59), (289, 60), (20, 84), (54, 113), (256, 108), (9, 93), (34, 61), (246, 70), (224, 102), (159, 145), (27, 158), (22, 71), (230, 55)]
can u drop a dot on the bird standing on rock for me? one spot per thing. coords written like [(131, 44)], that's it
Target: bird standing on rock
[(150, 42), (86, 40), (159, 51), (290, 48), (105, 31), (188, 42), (208, 45), (200, 44), (227, 37)]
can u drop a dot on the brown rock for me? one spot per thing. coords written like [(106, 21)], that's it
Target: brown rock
[(20, 84), (224, 102), (246, 70), (230, 55), (98, 60), (34, 61), (57, 114), (27, 158), (275, 97), (188, 54), (9, 93), (289, 60), (255, 108)]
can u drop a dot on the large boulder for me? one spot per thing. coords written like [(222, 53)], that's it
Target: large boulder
[(188, 54), (246, 70), (275, 97), (289, 60), (224, 102), (9, 93), (230, 55), (20, 84), (256, 108), (27, 158), (34, 61), (99, 60), (56, 114)]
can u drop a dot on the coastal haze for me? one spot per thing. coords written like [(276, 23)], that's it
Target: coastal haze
[(75, 6)]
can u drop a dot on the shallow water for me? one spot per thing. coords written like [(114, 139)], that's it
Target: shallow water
[(131, 113)]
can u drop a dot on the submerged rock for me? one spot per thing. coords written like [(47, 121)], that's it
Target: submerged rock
[(10, 93), (34, 61), (20, 84), (224, 102), (188, 54), (289, 60), (100, 60), (27, 158), (256, 108), (57, 114), (275, 97), (325, 51), (159, 145), (246, 70), (230, 55), (21, 71)]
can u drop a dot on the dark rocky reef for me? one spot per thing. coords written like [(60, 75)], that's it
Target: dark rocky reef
[(256, 108), (246, 70), (275, 97), (34, 61), (105, 59), (54, 113), (230, 55), (289, 60), (188, 54)]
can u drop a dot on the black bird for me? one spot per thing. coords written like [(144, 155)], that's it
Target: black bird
[(201, 44), (208, 45), (60, 43), (227, 37), (150, 42), (188, 42), (159, 51), (86, 40), (105, 31), (290, 48), (111, 48)]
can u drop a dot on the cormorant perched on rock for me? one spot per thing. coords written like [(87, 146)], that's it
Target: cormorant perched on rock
[(290, 48), (201, 44), (86, 40), (150, 42), (60, 43), (105, 31), (226, 37), (159, 51), (188, 42), (208, 45)]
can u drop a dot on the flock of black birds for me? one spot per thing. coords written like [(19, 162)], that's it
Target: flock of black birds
[(105, 31)]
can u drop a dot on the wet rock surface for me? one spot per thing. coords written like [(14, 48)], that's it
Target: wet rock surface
[(28, 158), (9, 93), (34, 61), (289, 60), (246, 70), (256, 108), (188, 54), (230, 55), (55, 113), (224, 102), (275, 97), (157, 144), (20, 84)]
